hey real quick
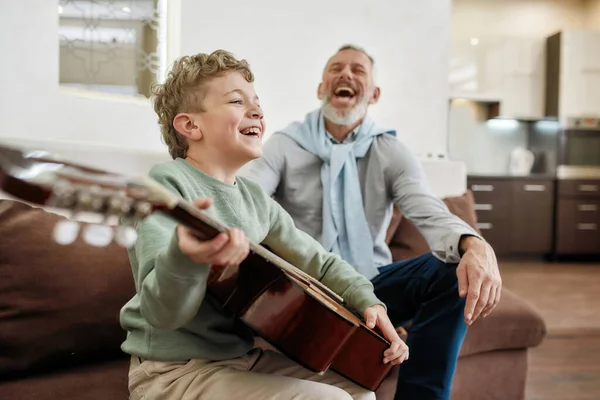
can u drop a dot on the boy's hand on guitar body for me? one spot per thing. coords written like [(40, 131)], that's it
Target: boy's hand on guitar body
[(226, 249), (398, 351)]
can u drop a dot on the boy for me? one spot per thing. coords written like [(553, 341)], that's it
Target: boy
[(183, 345)]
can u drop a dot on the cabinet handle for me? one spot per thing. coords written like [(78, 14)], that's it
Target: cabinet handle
[(483, 207), (588, 188), (482, 188), (587, 207), (587, 227), (534, 188), (484, 225)]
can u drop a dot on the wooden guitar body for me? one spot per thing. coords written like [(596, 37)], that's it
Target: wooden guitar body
[(309, 328)]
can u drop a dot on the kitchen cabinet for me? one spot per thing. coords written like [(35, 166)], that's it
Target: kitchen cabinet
[(532, 216), (522, 81), (578, 217), (515, 214), (573, 74), (507, 70)]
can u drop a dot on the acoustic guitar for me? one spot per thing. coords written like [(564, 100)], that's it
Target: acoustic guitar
[(291, 310)]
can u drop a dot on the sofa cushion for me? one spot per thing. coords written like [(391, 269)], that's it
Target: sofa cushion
[(407, 242), (101, 381), (59, 304), (514, 324)]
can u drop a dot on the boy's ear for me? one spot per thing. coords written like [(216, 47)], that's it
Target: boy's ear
[(184, 124)]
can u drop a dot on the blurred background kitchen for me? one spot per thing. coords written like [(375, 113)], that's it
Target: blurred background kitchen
[(524, 116)]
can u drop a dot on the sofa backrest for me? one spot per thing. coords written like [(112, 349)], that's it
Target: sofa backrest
[(59, 305)]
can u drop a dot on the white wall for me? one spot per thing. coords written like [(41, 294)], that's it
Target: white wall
[(286, 43), (529, 18)]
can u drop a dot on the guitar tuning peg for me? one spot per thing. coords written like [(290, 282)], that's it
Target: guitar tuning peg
[(65, 232), (98, 235), (125, 236)]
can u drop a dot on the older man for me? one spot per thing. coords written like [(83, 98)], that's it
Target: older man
[(338, 174)]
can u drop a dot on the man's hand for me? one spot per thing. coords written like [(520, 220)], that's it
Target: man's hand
[(478, 278), (398, 351)]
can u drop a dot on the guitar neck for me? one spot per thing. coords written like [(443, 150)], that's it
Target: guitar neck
[(207, 228)]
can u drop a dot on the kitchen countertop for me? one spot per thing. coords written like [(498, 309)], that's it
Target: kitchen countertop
[(512, 177)]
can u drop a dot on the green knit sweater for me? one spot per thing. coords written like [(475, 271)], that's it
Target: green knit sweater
[(171, 318)]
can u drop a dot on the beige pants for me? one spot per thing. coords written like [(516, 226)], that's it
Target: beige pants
[(259, 375)]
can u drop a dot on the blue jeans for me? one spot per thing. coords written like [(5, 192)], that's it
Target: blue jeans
[(424, 290)]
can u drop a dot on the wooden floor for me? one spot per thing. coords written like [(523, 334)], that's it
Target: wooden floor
[(566, 366)]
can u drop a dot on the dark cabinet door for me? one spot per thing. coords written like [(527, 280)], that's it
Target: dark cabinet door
[(493, 207), (532, 214), (582, 188), (496, 231), (578, 226)]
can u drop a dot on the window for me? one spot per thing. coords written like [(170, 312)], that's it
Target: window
[(110, 45)]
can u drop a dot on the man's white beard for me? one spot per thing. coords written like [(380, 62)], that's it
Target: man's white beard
[(349, 118)]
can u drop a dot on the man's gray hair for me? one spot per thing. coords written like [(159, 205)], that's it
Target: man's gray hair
[(356, 48)]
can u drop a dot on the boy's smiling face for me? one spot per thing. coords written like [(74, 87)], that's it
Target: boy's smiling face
[(232, 123)]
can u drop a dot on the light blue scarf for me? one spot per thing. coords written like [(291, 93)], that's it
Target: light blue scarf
[(345, 227)]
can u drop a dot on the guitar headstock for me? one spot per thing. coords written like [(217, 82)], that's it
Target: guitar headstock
[(109, 204)]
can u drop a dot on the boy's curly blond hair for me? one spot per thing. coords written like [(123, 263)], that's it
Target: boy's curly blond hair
[(183, 91)]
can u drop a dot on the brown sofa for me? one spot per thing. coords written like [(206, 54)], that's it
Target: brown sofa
[(60, 335), (493, 360)]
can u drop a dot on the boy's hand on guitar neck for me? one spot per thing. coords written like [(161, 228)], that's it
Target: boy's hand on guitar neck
[(377, 316), (224, 249)]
